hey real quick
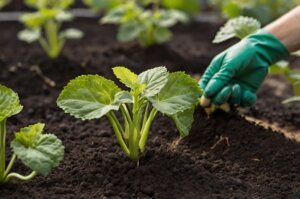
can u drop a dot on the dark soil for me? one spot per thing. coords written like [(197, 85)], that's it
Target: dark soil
[(257, 163)]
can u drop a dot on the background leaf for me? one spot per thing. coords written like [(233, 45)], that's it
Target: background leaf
[(29, 35), (239, 27), (129, 31), (71, 33)]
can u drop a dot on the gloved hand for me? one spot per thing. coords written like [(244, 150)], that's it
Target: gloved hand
[(235, 75)]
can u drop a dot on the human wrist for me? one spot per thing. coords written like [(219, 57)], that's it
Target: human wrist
[(287, 29)]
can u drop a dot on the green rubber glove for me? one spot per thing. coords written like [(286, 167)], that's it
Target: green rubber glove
[(236, 74)]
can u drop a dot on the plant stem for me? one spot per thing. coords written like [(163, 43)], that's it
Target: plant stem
[(126, 113), (11, 163), (146, 130), (20, 177), (118, 133), (134, 133), (51, 29), (2, 148), (156, 4)]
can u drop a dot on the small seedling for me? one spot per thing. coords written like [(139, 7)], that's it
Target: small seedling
[(39, 152), (172, 94), (44, 25), (148, 26)]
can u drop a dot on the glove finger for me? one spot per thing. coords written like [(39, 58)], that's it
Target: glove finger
[(236, 95), (219, 81), (248, 98), (211, 70), (222, 96)]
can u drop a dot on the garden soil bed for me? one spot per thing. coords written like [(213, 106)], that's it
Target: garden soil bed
[(256, 162)]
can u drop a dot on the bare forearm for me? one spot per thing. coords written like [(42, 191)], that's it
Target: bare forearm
[(287, 29)]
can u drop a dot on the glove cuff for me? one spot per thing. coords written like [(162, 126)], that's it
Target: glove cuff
[(269, 46)]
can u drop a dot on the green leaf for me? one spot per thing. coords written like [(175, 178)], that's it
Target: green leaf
[(71, 33), (292, 100), (48, 13), (154, 79), (123, 97), (28, 136), (45, 154), (33, 20), (9, 103), (169, 18), (281, 67), (114, 16), (126, 76), (184, 121), (89, 97), (129, 31), (180, 93), (188, 6), (64, 16), (4, 3), (162, 35), (29, 35), (297, 53), (239, 27)]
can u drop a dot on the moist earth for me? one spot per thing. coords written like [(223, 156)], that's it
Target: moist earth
[(225, 156)]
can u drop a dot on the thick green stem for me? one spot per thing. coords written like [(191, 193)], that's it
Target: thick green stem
[(146, 130), (120, 139), (54, 47), (20, 177), (11, 163), (134, 133), (2, 148)]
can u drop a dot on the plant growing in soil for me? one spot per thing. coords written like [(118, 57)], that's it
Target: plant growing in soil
[(172, 94), (241, 27), (148, 26), (44, 25), (39, 152)]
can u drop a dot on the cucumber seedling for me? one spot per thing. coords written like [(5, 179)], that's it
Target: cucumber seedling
[(148, 26), (156, 90), (39, 152), (44, 25)]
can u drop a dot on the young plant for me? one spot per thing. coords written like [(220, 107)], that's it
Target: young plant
[(148, 26), (39, 152), (173, 94), (241, 27), (44, 25)]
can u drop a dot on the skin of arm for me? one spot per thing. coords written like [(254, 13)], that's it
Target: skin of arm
[(287, 29)]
